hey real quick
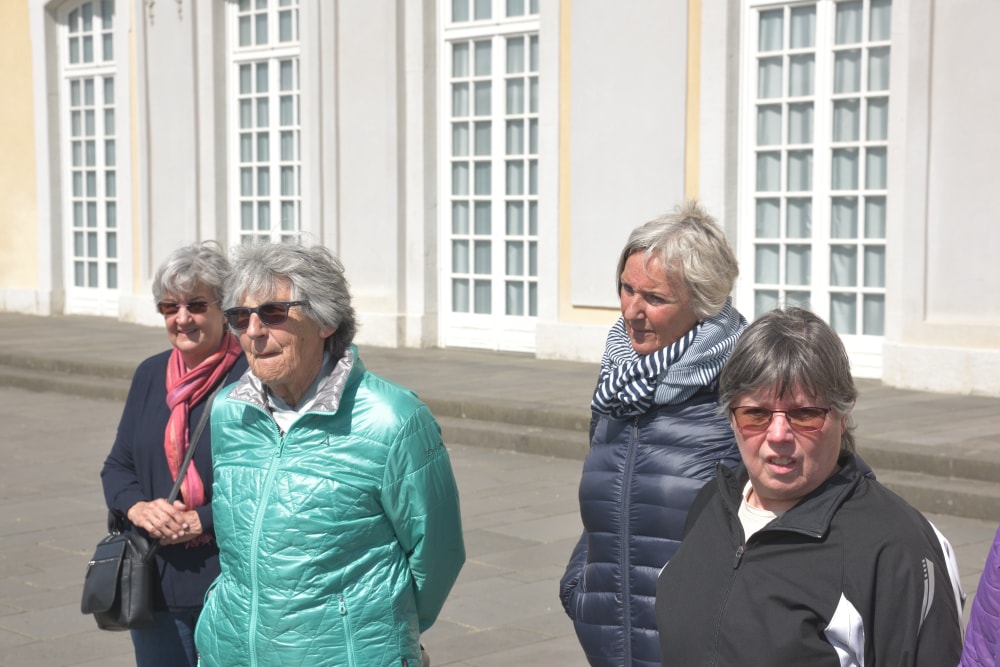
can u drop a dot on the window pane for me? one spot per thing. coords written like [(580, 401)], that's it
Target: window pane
[(460, 59), (843, 313), (843, 265), (803, 28), (515, 218), (460, 296), (844, 218), (880, 23), (515, 96), (800, 75), (515, 258), (766, 263), (798, 265), (764, 301), (768, 172), (799, 170), (515, 298), (845, 169), (878, 69), (769, 125), (849, 18), (874, 266), (771, 29), (799, 218), (875, 218), (459, 10), (515, 137), (769, 78), (483, 140), (483, 296), (484, 53), (878, 119), (483, 174), (874, 315), (482, 261), (846, 120), (460, 256), (768, 218), (459, 138), (515, 177), (515, 7), (460, 100), (460, 217), (876, 168), (847, 72), (483, 218), (482, 9), (515, 55), (460, 178), (483, 98), (800, 123)]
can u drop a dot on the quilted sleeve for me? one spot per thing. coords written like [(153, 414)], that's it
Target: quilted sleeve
[(981, 636), (420, 498)]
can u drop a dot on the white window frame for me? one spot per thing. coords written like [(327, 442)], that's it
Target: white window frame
[(864, 350), (93, 247), (494, 330), (279, 173)]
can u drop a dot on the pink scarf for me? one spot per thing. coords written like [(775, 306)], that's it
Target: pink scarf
[(184, 389)]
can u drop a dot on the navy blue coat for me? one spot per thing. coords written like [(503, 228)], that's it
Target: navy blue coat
[(137, 470), (639, 480)]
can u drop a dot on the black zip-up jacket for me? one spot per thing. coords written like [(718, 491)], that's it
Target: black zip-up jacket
[(852, 575)]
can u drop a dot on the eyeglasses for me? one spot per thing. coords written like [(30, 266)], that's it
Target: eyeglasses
[(168, 308), (270, 313), (803, 420)]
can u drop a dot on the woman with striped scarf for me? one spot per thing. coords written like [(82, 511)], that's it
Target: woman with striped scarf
[(656, 432)]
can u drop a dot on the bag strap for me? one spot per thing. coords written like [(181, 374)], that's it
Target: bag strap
[(196, 436), (116, 523)]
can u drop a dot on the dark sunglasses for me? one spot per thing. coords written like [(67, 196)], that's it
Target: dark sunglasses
[(803, 420), (168, 308), (270, 313)]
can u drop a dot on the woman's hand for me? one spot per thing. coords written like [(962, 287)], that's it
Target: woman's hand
[(170, 524)]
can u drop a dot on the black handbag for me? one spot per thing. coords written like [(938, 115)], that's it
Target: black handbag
[(118, 586)]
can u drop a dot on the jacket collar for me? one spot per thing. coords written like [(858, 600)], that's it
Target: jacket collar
[(813, 514), (251, 390)]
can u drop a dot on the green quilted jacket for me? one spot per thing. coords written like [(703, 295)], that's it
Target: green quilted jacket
[(339, 540)]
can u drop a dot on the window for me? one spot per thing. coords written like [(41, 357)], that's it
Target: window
[(817, 135), (492, 167), (88, 91), (264, 48)]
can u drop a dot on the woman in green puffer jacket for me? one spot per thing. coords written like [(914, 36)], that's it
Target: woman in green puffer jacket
[(336, 509)]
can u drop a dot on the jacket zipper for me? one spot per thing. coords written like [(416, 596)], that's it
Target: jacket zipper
[(623, 559), (348, 633), (258, 521)]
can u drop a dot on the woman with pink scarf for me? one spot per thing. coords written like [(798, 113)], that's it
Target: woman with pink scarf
[(168, 395)]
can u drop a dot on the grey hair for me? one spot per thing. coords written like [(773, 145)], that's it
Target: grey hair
[(185, 268), (789, 350), (313, 274), (691, 248)]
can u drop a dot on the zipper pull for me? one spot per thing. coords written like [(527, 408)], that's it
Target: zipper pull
[(343, 606), (739, 556)]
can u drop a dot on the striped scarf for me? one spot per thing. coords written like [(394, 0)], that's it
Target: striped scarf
[(630, 384)]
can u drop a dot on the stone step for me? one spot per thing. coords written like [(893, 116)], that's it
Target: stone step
[(934, 491), (63, 382), (931, 482)]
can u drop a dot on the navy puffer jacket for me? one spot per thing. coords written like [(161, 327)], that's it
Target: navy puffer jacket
[(639, 480)]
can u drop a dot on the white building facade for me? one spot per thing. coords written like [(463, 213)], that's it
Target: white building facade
[(478, 164)]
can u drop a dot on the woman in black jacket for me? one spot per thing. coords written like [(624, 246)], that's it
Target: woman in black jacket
[(168, 396), (656, 434)]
